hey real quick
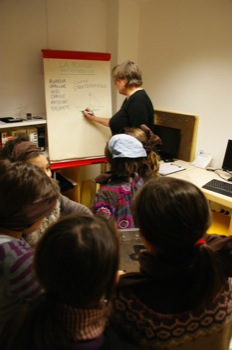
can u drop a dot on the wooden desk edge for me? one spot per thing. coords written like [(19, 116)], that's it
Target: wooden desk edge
[(210, 195)]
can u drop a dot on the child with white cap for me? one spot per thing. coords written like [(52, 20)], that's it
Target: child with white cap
[(113, 200)]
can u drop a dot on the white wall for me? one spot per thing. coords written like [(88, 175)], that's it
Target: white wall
[(26, 27), (22, 36), (185, 54), (124, 43)]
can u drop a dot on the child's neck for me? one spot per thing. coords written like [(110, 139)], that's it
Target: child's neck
[(14, 234)]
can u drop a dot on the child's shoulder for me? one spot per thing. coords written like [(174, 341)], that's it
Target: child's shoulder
[(12, 248)]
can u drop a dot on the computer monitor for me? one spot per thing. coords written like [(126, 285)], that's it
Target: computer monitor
[(170, 142), (227, 161)]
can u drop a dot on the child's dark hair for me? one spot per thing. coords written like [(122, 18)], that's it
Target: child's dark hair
[(27, 194), (123, 167), (7, 149), (148, 166), (76, 262), (77, 259), (173, 215)]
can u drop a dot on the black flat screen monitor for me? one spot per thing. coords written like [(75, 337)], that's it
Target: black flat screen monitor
[(170, 137), (227, 161)]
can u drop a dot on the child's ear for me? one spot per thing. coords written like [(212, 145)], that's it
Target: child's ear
[(149, 247)]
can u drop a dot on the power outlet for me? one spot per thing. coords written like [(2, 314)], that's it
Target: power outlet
[(218, 208)]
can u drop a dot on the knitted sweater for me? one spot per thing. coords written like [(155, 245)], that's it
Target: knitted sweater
[(146, 312)]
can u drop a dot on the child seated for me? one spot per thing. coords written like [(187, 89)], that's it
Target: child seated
[(182, 297), (149, 167), (113, 200), (20, 149), (27, 195), (76, 262)]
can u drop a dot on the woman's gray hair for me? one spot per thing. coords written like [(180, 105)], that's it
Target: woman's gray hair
[(130, 71)]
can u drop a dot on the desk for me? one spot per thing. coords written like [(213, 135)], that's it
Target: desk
[(200, 177)]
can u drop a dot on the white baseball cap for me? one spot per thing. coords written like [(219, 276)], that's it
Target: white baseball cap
[(126, 146)]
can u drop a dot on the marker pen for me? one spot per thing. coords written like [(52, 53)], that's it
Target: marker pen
[(91, 113)]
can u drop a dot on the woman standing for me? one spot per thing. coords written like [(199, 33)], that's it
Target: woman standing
[(137, 107)]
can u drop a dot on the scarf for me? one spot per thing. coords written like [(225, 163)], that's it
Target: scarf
[(32, 238), (28, 216), (82, 324)]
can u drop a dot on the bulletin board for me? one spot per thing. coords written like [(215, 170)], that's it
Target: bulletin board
[(73, 81)]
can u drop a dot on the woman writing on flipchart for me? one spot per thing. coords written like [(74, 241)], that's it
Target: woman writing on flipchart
[(137, 107)]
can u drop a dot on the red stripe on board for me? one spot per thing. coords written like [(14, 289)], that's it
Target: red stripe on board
[(76, 163), (76, 55)]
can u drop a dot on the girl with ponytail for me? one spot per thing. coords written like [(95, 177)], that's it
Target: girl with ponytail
[(182, 296)]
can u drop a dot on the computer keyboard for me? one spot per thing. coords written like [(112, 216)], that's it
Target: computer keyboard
[(219, 187)]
